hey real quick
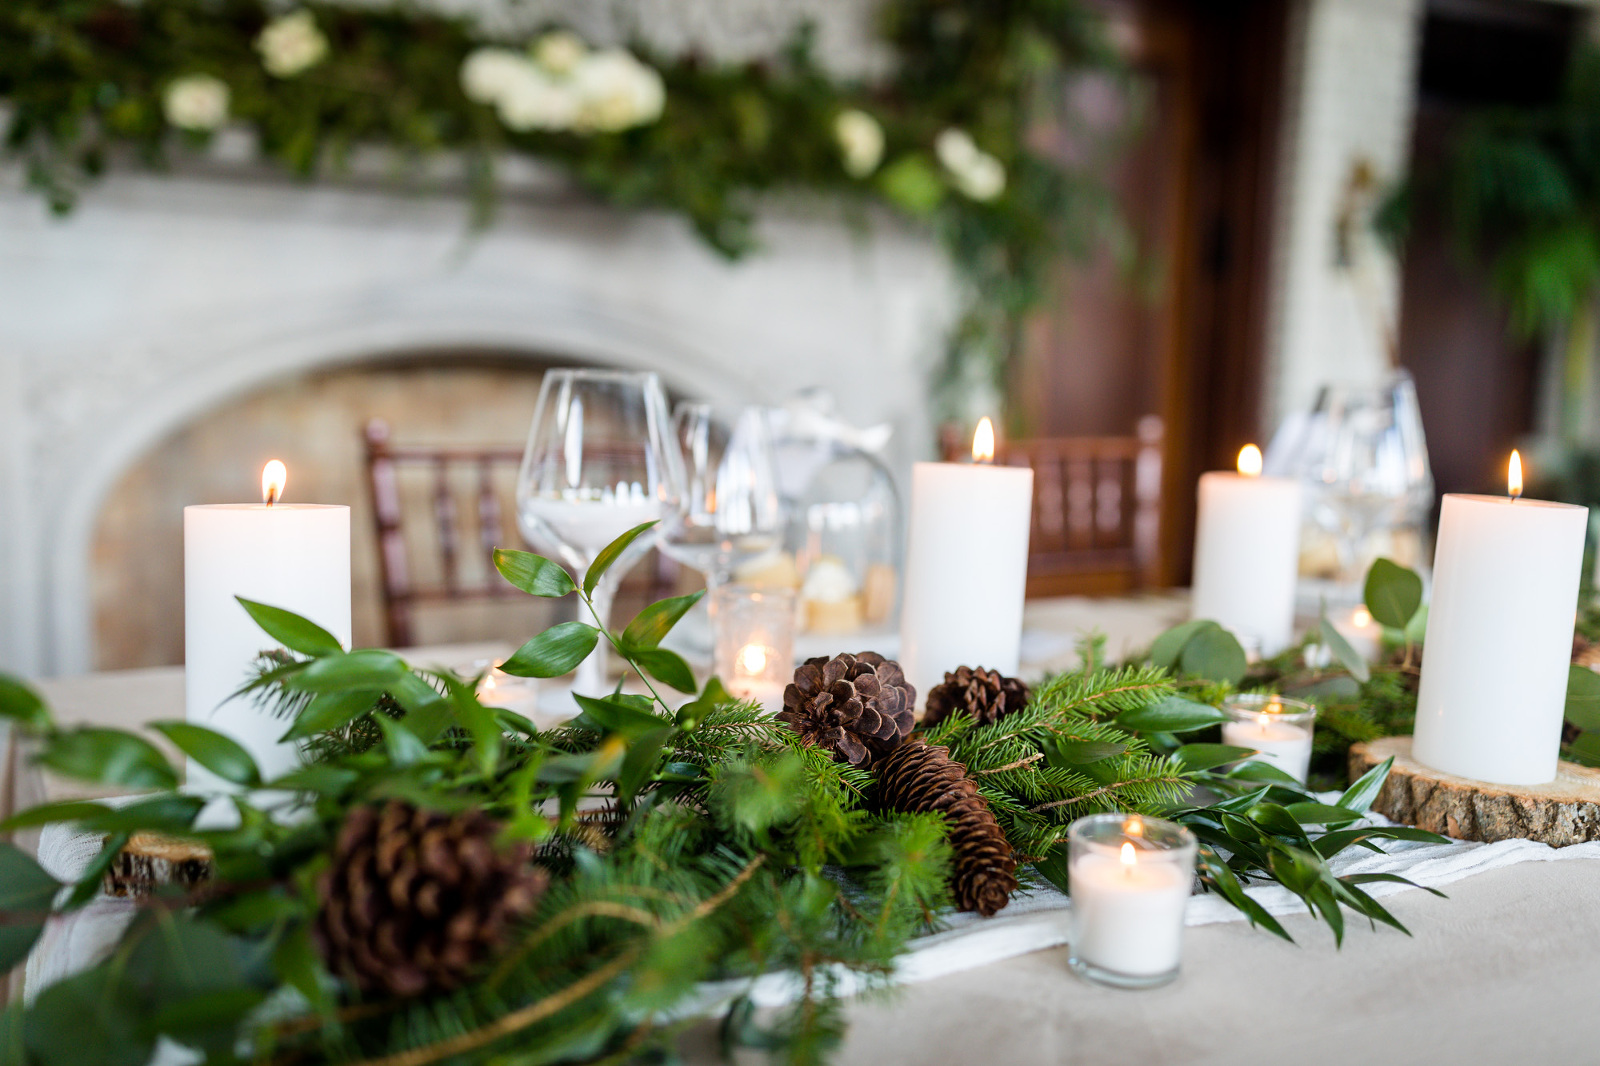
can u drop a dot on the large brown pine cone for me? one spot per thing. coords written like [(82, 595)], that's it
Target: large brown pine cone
[(856, 706), (986, 695), (918, 777), (415, 899)]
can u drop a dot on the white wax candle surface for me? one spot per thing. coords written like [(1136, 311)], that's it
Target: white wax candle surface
[(1247, 557), (294, 556), (1360, 630), (1128, 917), (1499, 638), (966, 570), (1285, 744)]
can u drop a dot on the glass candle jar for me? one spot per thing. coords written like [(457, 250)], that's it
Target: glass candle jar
[(1277, 727), (1130, 879), (753, 641)]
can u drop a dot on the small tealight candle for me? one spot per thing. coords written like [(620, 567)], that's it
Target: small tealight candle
[(754, 641), (1130, 879), (1360, 630), (1278, 728)]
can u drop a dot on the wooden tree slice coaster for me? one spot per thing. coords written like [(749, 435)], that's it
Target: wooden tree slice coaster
[(150, 860), (1564, 811)]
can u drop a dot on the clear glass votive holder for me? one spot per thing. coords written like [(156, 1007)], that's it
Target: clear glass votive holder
[(1130, 879), (753, 641), (1278, 727)]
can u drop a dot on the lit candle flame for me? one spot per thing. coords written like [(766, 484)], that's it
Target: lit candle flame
[(1250, 461), (1128, 857), (753, 659), (1514, 477), (1361, 617), (273, 477), (983, 441)]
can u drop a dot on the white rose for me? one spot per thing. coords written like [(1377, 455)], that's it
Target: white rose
[(487, 73), (531, 100), (196, 102), (616, 91), (976, 173), (560, 51), (860, 140), (291, 44)]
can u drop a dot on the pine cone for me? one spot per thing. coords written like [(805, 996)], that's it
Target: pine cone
[(918, 777), (986, 695), (415, 898), (856, 706)]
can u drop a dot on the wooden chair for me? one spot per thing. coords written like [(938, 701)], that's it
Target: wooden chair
[(1096, 509)]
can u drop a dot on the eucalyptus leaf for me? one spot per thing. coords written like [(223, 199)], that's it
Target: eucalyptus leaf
[(1348, 657), (1417, 628), (292, 631), (533, 574), (1214, 654), (220, 754), (21, 704), (108, 757), (1583, 697), (653, 623), (1174, 714), (556, 651), (610, 554), (1169, 645), (1392, 593)]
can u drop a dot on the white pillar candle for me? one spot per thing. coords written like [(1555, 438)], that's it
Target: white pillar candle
[(1499, 637), (294, 556), (966, 567), (1131, 879), (1279, 729), (1247, 553)]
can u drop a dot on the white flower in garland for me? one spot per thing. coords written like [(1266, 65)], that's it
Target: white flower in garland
[(196, 102), (488, 73), (975, 172), (532, 100), (559, 52), (860, 138), (616, 92), (291, 45)]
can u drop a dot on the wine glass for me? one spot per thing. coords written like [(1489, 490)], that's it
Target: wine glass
[(729, 514), (600, 460), (1371, 474)]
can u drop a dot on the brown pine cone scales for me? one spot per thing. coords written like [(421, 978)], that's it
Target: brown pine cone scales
[(918, 777), (856, 706), (415, 899), (986, 695)]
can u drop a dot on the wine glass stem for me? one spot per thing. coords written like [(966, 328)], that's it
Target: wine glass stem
[(592, 678)]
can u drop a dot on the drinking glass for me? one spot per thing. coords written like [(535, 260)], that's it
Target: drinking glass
[(600, 460), (729, 514), (1370, 472)]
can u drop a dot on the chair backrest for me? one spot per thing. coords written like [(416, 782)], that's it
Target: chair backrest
[(1096, 509)]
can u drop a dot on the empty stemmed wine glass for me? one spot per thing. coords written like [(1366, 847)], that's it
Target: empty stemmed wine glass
[(600, 460), (729, 514)]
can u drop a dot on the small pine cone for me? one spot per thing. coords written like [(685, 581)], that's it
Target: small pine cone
[(918, 777), (415, 899), (856, 706), (986, 695)]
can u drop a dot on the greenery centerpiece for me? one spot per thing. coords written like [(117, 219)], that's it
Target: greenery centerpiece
[(449, 882)]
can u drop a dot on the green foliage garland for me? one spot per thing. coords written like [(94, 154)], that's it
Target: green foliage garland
[(726, 849), (86, 79)]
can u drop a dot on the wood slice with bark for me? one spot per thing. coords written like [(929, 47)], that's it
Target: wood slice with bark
[(150, 860), (1562, 812)]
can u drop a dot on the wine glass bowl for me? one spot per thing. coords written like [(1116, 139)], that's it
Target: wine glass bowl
[(729, 514)]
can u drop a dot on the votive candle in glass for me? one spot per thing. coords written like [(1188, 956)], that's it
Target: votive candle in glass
[(1130, 880), (753, 648), (1278, 728)]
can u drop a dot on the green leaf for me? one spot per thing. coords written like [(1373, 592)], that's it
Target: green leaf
[(480, 721), (108, 757), (1586, 750), (1277, 820), (1417, 628), (1334, 641), (365, 668), (21, 704), (24, 886), (1396, 879), (329, 711), (405, 747), (1298, 871), (1054, 868), (1393, 593), (220, 754), (653, 623), (1206, 756), (1365, 789), (1583, 698), (628, 715), (1321, 814), (1214, 654), (323, 780), (15, 943), (168, 813), (641, 760), (47, 813), (666, 667), (292, 631), (608, 555), (533, 574), (1174, 714), (1066, 753), (1169, 645), (93, 875), (297, 964), (912, 184), (556, 651), (89, 1019)]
